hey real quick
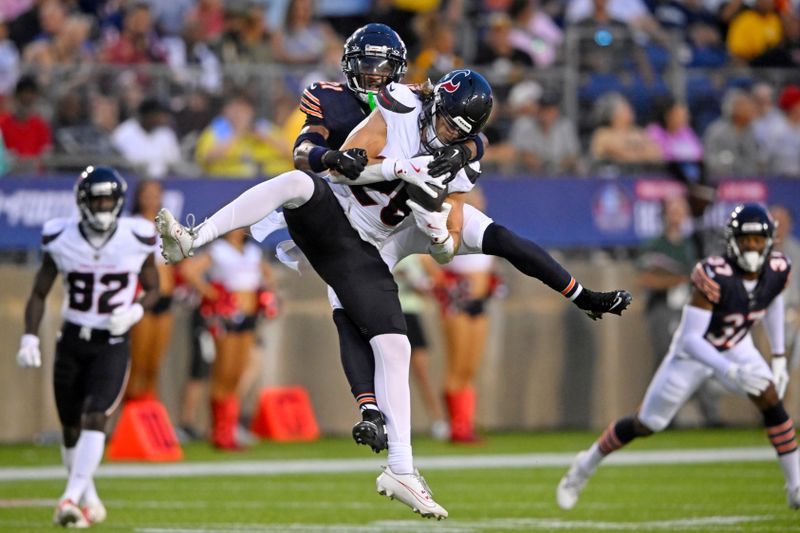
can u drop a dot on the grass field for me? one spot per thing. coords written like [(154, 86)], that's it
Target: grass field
[(507, 484)]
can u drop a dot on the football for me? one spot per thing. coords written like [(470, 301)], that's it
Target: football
[(424, 199)]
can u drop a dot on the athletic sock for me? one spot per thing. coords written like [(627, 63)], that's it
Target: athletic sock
[(781, 433), (87, 456), (616, 435)]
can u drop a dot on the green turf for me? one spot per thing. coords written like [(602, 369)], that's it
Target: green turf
[(619, 498)]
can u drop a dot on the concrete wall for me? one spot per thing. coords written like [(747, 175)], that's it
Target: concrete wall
[(546, 364)]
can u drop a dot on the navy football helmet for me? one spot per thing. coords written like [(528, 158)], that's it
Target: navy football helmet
[(374, 55), (93, 185), (749, 219), (462, 99)]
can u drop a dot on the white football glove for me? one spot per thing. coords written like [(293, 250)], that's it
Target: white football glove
[(415, 172), (780, 375), (748, 380), (122, 318), (29, 355), (431, 223)]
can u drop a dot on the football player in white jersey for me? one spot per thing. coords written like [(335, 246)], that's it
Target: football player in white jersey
[(731, 293), (101, 258)]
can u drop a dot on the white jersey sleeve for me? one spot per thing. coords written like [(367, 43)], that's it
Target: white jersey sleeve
[(52, 230), (400, 109)]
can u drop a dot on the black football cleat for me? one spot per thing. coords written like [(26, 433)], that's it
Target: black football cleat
[(371, 431), (596, 304)]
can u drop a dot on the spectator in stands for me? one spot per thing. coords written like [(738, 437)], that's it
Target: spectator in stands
[(147, 141), (768, 116), (137, 42), (93, 136), (619, 139), (673, 134), (68, 47), (782, 149), (303, 39), (245, 38), (438, 54), (545, 142), (52, 17), (730, 145), (534, 32), (633, 13), (234, 145), (209, 15), (755, 35), (9, 63), (25, 132), (496, 57), (169, 17)]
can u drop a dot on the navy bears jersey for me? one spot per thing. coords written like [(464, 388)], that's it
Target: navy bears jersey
[(738, 309), (335, 107)]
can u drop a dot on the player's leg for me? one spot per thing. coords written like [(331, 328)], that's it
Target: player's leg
[(358, 363), (672, 385), (777, 422), (480, 234), (355, 271), (68, 389), (291, 189)]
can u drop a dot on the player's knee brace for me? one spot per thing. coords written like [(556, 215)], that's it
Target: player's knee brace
[(95, 421)]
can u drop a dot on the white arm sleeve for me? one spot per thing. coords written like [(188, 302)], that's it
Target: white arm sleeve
[(691, 340), (773, 323)]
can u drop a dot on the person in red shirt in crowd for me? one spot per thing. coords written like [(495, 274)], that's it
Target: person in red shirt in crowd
[(26, 134)]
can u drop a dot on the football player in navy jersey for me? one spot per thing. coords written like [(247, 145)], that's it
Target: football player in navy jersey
[(374, 56), (731, 293), (101, 257)]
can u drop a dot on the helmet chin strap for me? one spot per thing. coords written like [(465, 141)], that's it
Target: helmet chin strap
[(751, 261)]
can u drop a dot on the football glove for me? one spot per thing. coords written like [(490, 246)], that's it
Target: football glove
[(431, 223), (29, 355), (415, 172), (448, 160), (747, 379), (780, 375), (349, 163), (123, 318)]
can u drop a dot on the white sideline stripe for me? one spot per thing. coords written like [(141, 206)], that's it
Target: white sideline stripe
[(453, 526), (338, 466)]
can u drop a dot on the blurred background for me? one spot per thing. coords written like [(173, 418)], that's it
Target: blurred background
[(623, 133)]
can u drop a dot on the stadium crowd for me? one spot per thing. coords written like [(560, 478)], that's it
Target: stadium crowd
[(210, 88)]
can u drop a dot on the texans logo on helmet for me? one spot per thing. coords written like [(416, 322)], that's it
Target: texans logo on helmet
[(451, 87)]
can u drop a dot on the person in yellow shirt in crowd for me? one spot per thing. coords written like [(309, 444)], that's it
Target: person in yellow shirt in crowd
[(235, 145), (755, 31)]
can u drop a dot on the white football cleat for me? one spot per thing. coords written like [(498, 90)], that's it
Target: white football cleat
[(411, 490), (793, 497), (94, 512), (176, 239), (69, 515), (571, 485)]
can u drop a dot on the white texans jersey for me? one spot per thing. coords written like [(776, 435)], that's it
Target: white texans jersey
[(98, 279), (236, 271), (377, 210), (469, 264)]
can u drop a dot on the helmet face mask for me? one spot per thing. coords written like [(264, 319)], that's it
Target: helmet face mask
[(749, 236), (374, 56), (100, 194)]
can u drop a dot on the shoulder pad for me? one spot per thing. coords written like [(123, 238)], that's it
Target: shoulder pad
[(397, 98), (310, 103), (778, 262), (52, 229), (142, 229)]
